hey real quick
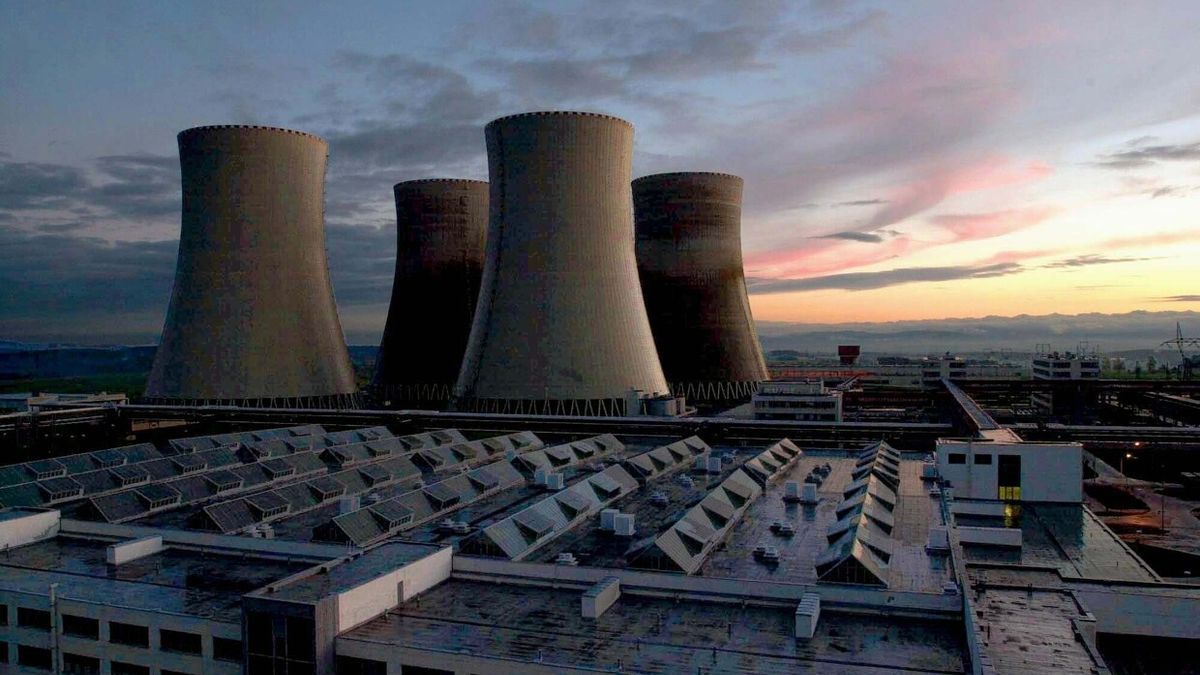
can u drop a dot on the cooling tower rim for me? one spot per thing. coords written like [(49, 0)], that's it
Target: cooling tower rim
[(436, 181), (254, 127), (559, 113), (679, 174)]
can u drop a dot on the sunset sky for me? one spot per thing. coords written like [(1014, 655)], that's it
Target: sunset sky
[(902, 160)]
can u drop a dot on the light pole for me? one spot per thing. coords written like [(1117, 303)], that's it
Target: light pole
[(1128, 455)]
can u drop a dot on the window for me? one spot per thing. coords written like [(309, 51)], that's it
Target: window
[(348, 665), (225, 649), (982, 459), (958, 458), (81, 626), (33, 657), (119, 668), (33, 618), (74, 664), (164, 671), (421, 670), (3, 615), (178, 641), (128, 634)]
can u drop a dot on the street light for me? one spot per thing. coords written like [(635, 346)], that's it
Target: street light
[(1128, 455)]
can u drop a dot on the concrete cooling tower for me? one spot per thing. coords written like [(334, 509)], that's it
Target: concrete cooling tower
[(252, 318), (441, 225), (689, 255), (560, 327)]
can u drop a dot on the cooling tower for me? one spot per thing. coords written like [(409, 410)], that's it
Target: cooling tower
[(560, 327), (441, 225), (252, 319), (689, 254)]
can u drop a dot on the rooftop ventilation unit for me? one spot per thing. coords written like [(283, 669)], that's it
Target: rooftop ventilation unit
[(608, 520), (623, 525)]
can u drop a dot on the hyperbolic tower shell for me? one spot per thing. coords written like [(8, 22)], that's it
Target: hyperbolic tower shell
[(689, 254), (560, 327), (441, 226), (252, 319)]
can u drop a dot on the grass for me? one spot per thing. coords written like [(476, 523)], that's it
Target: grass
[(130, 384)]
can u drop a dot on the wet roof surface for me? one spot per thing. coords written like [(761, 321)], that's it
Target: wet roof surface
[(658, 636), (1068, 537), (177, 581), (910, 568)]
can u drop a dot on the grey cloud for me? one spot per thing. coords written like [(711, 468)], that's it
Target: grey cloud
[(862, 281), (362, 262), (866, 237), (834, 37), (83, 278), (1171, 191), (1180, 298), (137, 186), (1139, 156), (25, 185), (861, 202), (1088, 260)]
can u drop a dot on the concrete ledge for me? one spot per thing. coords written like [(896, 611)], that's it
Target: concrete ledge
[(990, 536)]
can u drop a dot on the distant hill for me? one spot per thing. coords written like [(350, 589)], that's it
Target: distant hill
[(1108, 332)]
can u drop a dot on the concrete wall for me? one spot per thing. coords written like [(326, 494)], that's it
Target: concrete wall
[(29, 527), (106, 651), (367, 601), (689, 255), (252, 314), (1050, 472), (441, 227), (560, 313), (126, 551)]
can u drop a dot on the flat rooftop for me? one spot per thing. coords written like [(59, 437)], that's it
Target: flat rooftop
[(338, 578), (1068, 538), (178, 581), (652, 635)]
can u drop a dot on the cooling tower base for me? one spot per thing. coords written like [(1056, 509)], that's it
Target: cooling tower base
[(329, 402), (715, 392), (426, 396), (600, 407)]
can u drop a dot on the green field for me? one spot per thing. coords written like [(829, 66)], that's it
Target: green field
[(130, 384)]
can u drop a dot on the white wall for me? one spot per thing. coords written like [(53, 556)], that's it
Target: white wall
[(126, 551), (368, 600), (25, 529), (1050, 472)]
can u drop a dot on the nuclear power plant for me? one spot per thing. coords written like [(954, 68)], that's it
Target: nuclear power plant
[(689, 256), (252, 320), (441, 226), (561, 326)]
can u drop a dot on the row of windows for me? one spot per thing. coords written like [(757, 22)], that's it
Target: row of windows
[(40, 658), (960, 458), (224, 649)]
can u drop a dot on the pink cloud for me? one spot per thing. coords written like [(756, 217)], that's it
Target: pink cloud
[(971, 226)]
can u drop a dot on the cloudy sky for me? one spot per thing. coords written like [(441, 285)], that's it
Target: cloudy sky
[(902, 160)]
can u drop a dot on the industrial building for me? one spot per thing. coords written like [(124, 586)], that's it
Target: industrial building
[(561, 326), (402, 547), (252, 319), (689, 255), (798, 401), (441, 226)]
